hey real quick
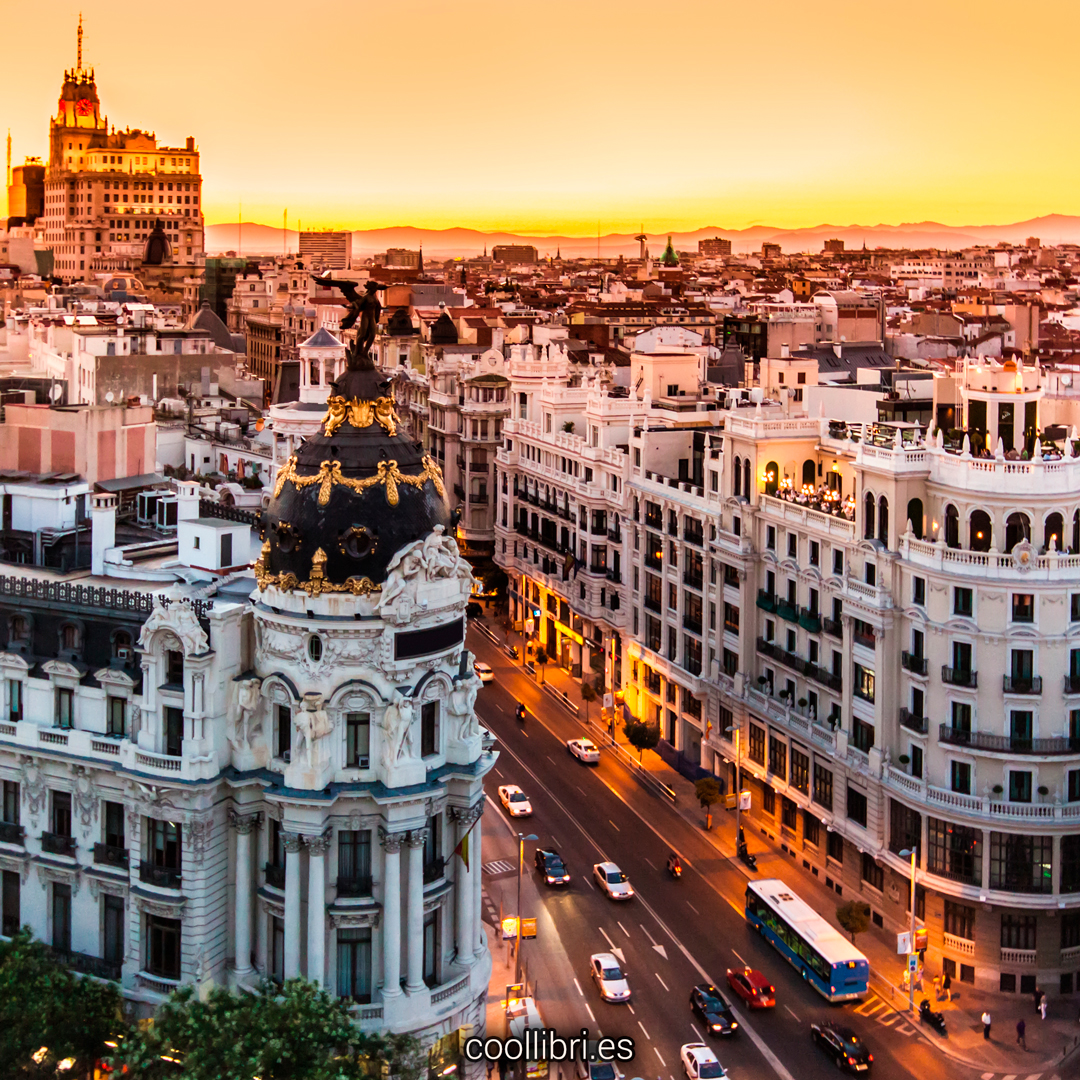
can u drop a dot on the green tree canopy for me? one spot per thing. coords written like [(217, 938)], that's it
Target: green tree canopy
[(642, 736), (854, 917)]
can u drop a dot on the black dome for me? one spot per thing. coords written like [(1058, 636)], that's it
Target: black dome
[(157, 250), (351, 497)]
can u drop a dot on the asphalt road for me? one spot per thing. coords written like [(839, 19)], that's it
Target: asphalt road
[(673, 934)]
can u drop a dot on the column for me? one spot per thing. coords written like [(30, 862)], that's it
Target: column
[(391, 913), (414, 915), (316, 907), (464, 889), (476, 851), (242, 900), (292, 905)]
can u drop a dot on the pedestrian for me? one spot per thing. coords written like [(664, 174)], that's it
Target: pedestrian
[(1021, 1029), (946, 986), (918, 979), (986, 1025), (1042, 1007), (1038, 996), (937, 988)]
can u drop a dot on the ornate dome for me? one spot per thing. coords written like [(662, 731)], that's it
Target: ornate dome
[(351, 497), (157, 250)]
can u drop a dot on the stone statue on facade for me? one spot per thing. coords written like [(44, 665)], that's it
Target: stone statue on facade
[(397, 730), (248, 701), (312, 724), (463, 708), (366, 308), (180, 618)]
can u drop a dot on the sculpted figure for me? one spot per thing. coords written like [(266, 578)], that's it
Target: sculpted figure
[(403, 568), (463, 707), (397, 730), (312, 724), (248, 699)]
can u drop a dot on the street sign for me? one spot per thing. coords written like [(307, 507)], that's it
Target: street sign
[(528, 928), (921, 939), (913, 961), (509, 928), (609, 701), (903, 943), (530, 626), (744, 800)]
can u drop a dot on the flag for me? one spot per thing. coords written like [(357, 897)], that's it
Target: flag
[(462, 850)]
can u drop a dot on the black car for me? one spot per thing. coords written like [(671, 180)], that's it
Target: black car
[(846, 1048), (714, 1010), (551, 867)]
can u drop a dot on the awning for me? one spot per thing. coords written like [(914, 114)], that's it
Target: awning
[(129, 483)]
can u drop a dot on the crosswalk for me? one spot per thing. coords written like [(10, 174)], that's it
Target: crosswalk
[(1016, 1076), (883, 1013), (499, 866)]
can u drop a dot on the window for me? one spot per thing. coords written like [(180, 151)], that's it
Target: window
[(1023, 607), (834, 847), (1021, 863), (163, 844), (837, 561), (954, 851), (163, 947), (113, 825), (10, 808), (357, 740), (800, 770), (962, 601), (15, 700), (770, 537), (959, 920), (1019, 786), (864, 683), (60, 818), (811, 828), (918, 591), (1018, 931), (768, 799), (961, 716), (789, 813), (113, 925), (823, 786), (61, 917), (960, 777), (115, 723), (11, 888), (429, 729), (856, 806), (1074, 607), (314, 648), (174, 731), (862, 735), (792, 546), (354, 862), (354, 963), (65, 707), (283, 720), (174, 667), (815, 553), (431, 948), (756, 747), (872, 873), (1070, 863), (777, 757)]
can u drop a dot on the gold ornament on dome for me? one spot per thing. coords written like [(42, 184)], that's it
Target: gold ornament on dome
[(360, 414), (358, 586), (388, 474)]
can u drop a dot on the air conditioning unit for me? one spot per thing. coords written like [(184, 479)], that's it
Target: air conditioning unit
[(364, 763), (123, 652), (287, 757)]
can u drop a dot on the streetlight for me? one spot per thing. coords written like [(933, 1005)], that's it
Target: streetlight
[(911, 853), (521, 867)]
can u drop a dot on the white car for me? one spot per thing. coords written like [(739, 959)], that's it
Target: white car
[(515, 801), (700, 1063), (584, 750), (609, 977), (612, 881), (483, 672)]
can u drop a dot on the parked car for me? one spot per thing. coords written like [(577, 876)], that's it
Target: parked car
[(844, 1046), (612, 881), (551, 867), (609, 977), (584, 750), (515, 801), (700, 1063), (752, 987), (713, 1010)]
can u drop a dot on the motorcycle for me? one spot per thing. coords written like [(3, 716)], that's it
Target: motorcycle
[(745, 856), (927, 1015), (521, 713), (511, 651), (674, 868)]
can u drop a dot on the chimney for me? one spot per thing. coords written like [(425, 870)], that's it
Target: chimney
[(785, 351), (187, 500), (102, 529)]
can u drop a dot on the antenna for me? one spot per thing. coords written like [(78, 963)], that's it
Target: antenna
[(285, 238), (78, 65), (9, 157), (240, 230)]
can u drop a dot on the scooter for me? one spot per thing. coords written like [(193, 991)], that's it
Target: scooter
[(927, 1015), (520, 712), (745, 856), (674, 868)]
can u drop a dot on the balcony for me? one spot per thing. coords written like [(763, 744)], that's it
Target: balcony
[(867, 639), (614, 576), (810, 619), (1007, 744), (275, 876), (695, 538), (693, 625), (435, 870), (11, 833), (55, 844), (695, 581), (919, 724), (1072, 684), (959, 677), (110, 855), (916, 664), (766, 600), (653, 521), (1030, 684), (615, 536), (787, 609), (346, 886), (652, 605), (88, 965), (165, 877), (833, 627)]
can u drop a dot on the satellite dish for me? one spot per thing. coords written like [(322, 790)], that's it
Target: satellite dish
[(1066, 380), (56, 392), (109, 397)]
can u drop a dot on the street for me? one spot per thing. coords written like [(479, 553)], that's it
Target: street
[(672, 934)]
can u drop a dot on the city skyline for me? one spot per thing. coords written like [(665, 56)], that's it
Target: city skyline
[(733, 125)]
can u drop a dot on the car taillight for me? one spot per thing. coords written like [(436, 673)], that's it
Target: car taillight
[(850, 1060), (870, 1057)]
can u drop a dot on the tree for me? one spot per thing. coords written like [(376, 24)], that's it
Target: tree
[(708, 792), (293, 1032), (496, 581), (588, 693), (43, 1004), (642, 736), (541, 659), (854, 917)]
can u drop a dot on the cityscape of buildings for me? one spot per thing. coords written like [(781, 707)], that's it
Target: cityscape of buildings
[(813, 517)]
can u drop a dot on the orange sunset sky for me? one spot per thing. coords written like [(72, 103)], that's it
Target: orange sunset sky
[(568, 114)]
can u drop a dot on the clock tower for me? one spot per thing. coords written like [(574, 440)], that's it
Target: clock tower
[(78, 114)]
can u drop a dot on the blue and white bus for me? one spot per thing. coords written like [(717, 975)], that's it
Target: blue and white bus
[(830, 963)]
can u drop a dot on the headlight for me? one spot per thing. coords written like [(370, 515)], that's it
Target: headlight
[(550, 880)]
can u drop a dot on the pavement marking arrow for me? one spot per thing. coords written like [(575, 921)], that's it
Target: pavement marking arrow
[(611, 945), (659, 948)]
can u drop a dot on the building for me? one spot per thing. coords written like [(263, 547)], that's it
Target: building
[(715, 247), (770, 251), (834, 247), (26, 191), (514, 253), (270, 780), (326, 250), (106, 191)]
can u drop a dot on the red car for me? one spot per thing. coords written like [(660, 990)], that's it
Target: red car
[(752, 987)]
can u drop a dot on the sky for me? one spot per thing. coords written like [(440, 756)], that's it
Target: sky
[(565, 116)]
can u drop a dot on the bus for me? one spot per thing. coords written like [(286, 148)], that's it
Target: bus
[(830, 963)]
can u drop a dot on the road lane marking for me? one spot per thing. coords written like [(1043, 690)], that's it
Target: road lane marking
[(651, 863), (740, 959), (797, 1020), (578, 985), (659, 1055), (622, 928), (698, 1033), (642, 1026), (555, 842), (692, 908), (613, 825), (590, 1012), (582, 790), (611, 945), (589, 880), (631, 1008), (659, 948), (662, 983), (550, 758)]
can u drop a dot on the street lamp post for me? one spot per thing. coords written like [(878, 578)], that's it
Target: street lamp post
[(911, 853), (521, 867)]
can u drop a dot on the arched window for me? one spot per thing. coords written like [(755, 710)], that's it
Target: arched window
[(772, 478), (1054, 532), (738, 477), (746, 477), (868, 516), (1017, 528), (20, 629), (952, 526), (883, 520), (915, 516), (1074, 547), (69, 636), (809, 472), (980, 531)]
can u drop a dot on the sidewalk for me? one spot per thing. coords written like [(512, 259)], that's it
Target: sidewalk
[(1047, 1040)]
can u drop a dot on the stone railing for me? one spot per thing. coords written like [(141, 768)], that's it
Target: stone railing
[(959, 945), (830, 524), (987, 564), (1021, 957), (89, 596), (228, 513)]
